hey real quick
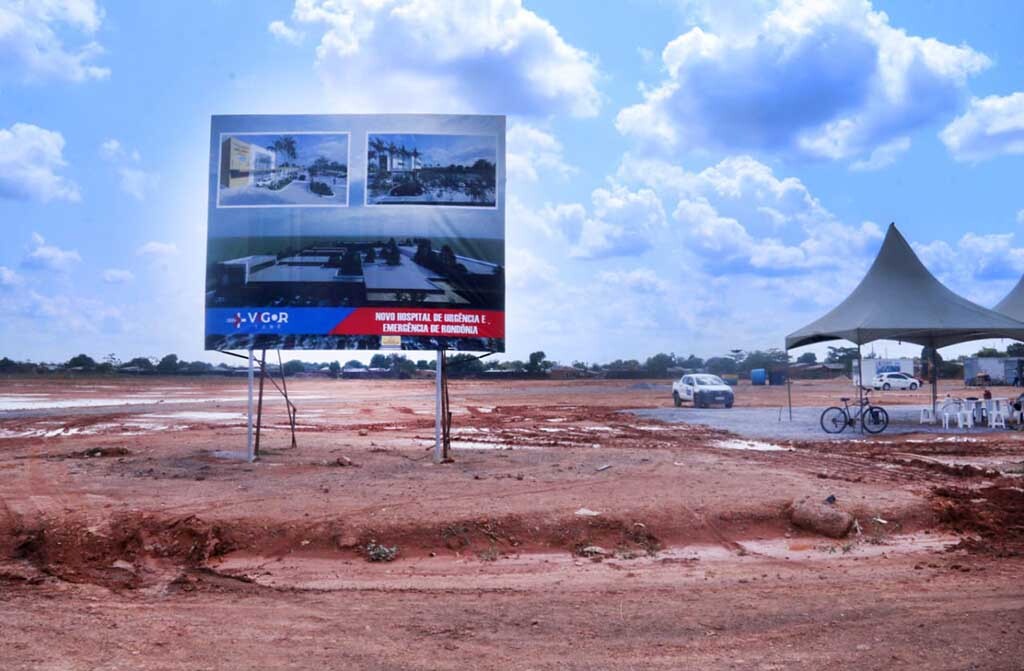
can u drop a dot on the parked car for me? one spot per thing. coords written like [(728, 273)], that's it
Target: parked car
[(702, 390), (889, 381)]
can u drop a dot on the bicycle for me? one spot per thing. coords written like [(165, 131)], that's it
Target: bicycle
[(873, 418)]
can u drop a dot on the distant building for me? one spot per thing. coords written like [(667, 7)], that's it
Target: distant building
[(243, 163), (400, 160)]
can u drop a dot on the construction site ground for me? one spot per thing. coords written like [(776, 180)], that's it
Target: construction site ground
[(569, 532)]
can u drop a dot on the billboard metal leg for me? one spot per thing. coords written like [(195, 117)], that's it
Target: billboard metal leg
[(259, 405), (438, 449), (249, 453)]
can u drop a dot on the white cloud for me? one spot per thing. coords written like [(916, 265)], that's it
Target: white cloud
[(154, 248), (112, 150), (436, 55), (31, 44), (883, 156), (990, 127), (138, 183), (283, 32), (43, 256), (828, 80), (135, 182), (622, 222), (8, 278), (117, 276), (1020, 216), (532, 151), (30, 158), (73, 314), (642, 280)]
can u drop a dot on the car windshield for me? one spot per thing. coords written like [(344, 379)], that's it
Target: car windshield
[(708, 380)]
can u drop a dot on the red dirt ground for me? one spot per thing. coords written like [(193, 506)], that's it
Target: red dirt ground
[(127, 539)]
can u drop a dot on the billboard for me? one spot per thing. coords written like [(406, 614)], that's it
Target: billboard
[(356, 232)]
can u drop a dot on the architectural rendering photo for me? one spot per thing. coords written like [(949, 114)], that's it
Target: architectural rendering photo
[(283, 170), (408, 272), (429, 169)]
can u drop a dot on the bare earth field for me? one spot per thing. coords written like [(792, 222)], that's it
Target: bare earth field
[(567, 534)]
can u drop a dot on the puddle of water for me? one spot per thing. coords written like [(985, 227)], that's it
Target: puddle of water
[(198, 415), (755, 445), (25, 402), (480, 445)]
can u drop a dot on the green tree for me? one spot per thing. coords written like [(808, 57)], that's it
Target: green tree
[(1015, 349), (720, 365), (81, 361), (354, 363), (294, 366), (989, 352), (691, 362), (658, 365), (379, 361), (843, 355), (335, 369), (168, 365), (464, 365), (538, 363), (142, 363), (807, 357)]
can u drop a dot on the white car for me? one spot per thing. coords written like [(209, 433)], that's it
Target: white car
[(889, 381), (702, 390)]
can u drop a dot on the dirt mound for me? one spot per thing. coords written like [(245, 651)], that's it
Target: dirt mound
[(991, 517)]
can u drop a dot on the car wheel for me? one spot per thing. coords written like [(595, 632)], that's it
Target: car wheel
[(729, 404), (675, 399), (913, 386), (886, 386)]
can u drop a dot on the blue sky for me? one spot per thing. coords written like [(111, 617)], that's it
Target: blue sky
[(683, 176)]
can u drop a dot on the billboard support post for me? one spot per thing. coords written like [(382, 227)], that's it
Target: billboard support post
[(438, 456), (259, 404), (249, 454)]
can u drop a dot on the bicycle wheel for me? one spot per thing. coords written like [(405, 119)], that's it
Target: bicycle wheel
[(875, 419), (833, 420)]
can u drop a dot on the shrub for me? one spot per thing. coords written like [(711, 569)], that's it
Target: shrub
[(320, 188)]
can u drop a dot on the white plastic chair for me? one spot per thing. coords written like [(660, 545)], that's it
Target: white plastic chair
[(965, 419), (945, 420), (927, 416), (996, 420)]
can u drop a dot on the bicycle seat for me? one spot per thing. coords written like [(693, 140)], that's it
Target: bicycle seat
[(844, 399)]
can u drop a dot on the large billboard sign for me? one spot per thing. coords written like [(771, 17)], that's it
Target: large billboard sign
[(356, 232)]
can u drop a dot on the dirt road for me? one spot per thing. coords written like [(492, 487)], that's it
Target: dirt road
[(566, 534)]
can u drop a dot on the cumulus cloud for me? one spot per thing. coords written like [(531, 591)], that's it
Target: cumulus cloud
[(31, 44), (154, 248), (883, 156), (621, 222), (8, 278), (43, 256), (283, 32), (532, 151), (826, 80), (30, 159), (642, 280), (472, 55), (990, 127), (117, 276), (74, 314), (137, 183)]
